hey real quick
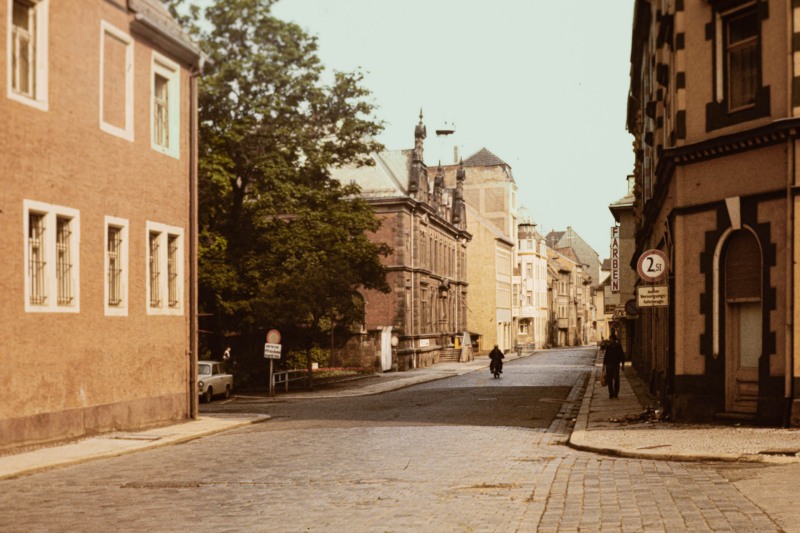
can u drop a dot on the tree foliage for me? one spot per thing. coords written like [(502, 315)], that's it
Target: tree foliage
[(281, 243)]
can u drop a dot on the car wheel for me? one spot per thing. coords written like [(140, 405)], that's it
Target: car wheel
[(227, 391), (208, 395)]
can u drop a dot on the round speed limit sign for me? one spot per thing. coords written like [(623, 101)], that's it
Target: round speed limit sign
[(653, 265)]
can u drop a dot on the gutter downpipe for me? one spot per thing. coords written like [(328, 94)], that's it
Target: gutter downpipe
[(790, 251), (193, 230), (413, 308)]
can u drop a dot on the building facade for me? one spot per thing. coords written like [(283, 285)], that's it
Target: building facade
[(530, 287), (425, 224), (490, 193), (98, 207), (622, 296), (714, 105)]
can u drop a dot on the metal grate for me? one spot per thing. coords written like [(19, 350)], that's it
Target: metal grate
[(155, 274), (172, 270), (64, 260), (36, 262), (114, 266)]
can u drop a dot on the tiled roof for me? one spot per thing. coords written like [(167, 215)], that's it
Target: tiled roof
[(606, 264), (569, 253), (484, 158)]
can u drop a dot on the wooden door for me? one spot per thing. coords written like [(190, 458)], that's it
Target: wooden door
[(743, 322)]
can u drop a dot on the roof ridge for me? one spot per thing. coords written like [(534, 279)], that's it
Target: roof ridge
[(484, 157)]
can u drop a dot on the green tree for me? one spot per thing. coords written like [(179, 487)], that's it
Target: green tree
[(281, 243)]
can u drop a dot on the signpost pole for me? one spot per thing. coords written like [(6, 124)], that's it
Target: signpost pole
[(272, 350), (271, 381)]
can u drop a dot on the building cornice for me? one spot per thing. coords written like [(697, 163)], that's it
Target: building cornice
[(770, 134)]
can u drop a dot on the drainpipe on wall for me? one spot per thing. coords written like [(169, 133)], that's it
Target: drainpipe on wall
[(413, 308), (193, 229), (790, 251)]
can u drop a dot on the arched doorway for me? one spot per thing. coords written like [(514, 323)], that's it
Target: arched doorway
[(742, 305)]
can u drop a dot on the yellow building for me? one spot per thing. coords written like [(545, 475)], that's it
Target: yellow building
[(490, 193)]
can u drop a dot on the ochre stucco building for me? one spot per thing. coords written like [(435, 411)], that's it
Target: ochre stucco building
[(97, 211), (714, 104)]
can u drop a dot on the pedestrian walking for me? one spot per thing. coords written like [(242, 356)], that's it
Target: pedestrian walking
[(613, 359)]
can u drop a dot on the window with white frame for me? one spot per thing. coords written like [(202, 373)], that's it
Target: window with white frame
[(165, 276), (27, 52), (116, 266), (165, 105), (52, 259), (116, 82)]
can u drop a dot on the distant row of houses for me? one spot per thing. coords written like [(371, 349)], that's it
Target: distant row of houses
[(469, 268)]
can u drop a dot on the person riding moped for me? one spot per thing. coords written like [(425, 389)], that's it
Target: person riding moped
[(496, 366)]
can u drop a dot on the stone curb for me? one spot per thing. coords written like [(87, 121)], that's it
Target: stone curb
[(579, 440), (115, 445)]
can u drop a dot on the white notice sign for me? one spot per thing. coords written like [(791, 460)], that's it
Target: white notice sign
[(272, 351), (652, 296)]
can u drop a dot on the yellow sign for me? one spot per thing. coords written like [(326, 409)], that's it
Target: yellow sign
[(652, 296)]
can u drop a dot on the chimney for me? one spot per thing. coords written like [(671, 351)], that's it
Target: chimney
[(455, 154)]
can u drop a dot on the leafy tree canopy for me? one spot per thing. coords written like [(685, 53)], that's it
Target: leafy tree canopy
[(281, 243)]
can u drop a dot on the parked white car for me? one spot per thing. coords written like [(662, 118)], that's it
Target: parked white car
[(213, 379)]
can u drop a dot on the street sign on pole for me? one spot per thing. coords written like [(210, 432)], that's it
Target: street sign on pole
[(652, 296), (273, 336), (272, 351), (653, 265)]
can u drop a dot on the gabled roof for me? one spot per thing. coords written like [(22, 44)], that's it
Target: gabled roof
[(387, 178), (569, 253), (553, 237), (606, 264), (484, 158)]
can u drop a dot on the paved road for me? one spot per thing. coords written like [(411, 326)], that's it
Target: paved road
[(463, 454)]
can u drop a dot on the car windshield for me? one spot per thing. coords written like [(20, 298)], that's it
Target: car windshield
[(204, 370)]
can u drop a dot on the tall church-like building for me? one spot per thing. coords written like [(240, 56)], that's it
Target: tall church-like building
[(424, 222)]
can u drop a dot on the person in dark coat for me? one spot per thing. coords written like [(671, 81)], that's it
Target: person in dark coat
[(613, 359), (497, 360)]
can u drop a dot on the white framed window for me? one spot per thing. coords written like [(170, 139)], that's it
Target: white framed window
[(52, 258), (165, 271), (165, 106), (26, 47), (116, 81), (115, 295)]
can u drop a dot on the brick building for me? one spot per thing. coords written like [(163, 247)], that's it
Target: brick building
[(97, 205), (714, 105), (425, 223)]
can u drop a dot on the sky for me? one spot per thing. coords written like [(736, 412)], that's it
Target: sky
[(540, 83)]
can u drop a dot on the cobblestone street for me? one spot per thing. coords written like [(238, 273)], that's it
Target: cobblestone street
[(468, 453)]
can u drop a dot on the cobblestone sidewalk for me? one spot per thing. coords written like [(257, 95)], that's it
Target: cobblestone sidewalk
[(615, 427)]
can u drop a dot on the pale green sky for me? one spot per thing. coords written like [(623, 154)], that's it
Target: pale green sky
[(541, 83)]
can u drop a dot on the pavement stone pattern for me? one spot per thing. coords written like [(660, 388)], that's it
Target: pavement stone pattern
[(610, 426), (357, 475)]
